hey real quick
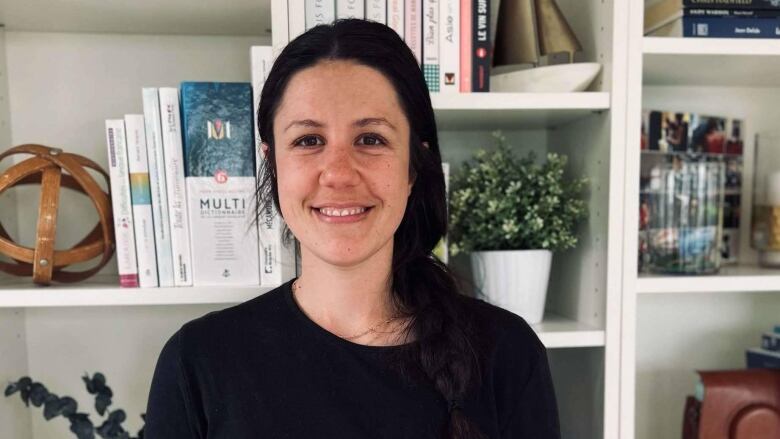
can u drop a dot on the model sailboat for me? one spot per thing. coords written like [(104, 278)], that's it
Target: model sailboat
[(530, 33)]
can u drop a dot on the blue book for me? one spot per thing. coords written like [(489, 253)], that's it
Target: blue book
[(219, 168), (770, 341), (732, 4), (731, 27), (762, 359)]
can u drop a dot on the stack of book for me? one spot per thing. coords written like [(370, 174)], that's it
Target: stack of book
[(451, 39), (768, 355), (183, 178), (713, 18)]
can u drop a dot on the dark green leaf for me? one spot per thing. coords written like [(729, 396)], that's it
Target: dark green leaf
[(51, 407), (68, 406), (38, 394), (81, 426), (102, 401), (11, 389)]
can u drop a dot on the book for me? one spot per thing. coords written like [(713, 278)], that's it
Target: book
[(770, 341), (141, 197), (743, 4), (121, 204), (219, 151), (466, 32), (350, 9), (277, 261), (732, 13), (730, 27), (480, 50), (396, 15), (170, 122), (376, 10), (762, 359), (319, 12), (430, 35), (413, 28), (449, 46), (161, 220)]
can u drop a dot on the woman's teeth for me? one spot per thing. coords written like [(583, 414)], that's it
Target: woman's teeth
[(328, 211)]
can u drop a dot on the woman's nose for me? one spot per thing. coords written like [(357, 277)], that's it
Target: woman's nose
[(339, 167)]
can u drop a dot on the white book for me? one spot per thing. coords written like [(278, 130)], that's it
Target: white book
[(296, 12), (413, 28), (277, 261), (280, 34), (174, 184), (350, 9), (430, 36), (121, 204), (396, 14), (154, 149), (141, 197), (320, 12), (376, 10), (449, 46)]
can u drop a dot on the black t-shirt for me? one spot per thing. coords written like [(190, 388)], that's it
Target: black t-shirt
[(263, 369)]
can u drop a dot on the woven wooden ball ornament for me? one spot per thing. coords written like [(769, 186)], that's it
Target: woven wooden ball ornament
[(52, 169)]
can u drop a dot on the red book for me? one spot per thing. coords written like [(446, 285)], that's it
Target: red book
[(466, 12)]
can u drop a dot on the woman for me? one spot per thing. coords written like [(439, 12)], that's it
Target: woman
[(372, 340)]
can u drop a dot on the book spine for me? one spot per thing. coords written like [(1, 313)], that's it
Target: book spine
[(449, 46), (376, 10), (154, 149), (280, 35), (277, 261), (296, 10), (480, 69), (219, 151), (413, 28), (762, 359), (174, 184), (396, 14), (431, 44), (466, 11), (732, 4), (141, 197), (350, 9), (770, 342), (732, 13), (121, 203), (709, 27), (319, 12)]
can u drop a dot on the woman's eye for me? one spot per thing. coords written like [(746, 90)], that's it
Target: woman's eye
[(307, 141), (372, 140)]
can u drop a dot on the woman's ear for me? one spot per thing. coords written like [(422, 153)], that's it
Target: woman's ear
[(264, 150)]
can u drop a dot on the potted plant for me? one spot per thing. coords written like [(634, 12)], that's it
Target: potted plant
[(511, 214)]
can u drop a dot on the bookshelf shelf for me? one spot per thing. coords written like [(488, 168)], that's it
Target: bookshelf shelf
[(711, 62), (465, 111), (559, 332), (738, 278), (103, 291)]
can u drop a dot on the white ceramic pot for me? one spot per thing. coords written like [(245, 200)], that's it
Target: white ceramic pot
[(515, 280)]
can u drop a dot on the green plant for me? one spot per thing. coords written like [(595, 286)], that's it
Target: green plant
[(53, 406), (501, 202)]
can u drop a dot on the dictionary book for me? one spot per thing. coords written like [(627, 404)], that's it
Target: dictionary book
[(219, 155)]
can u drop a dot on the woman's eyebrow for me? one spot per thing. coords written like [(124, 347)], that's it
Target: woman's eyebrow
[(358, 123)]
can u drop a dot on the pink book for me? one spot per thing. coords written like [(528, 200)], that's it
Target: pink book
[(466, 30), (413, 30)]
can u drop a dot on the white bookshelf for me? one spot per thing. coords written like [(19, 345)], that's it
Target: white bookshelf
[(673, 325), (67, 68), (711, 61)]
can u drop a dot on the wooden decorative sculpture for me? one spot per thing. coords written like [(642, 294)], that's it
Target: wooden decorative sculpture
[(52, 169)]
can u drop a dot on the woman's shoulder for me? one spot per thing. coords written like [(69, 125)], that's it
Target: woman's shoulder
[(256, 317), (505, 333)]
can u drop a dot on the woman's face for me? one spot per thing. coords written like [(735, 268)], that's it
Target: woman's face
[(342, 159)]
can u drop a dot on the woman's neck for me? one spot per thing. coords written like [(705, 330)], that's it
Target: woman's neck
[(346, 300)]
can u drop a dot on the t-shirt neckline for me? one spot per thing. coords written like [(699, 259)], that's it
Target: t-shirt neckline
[(327, 335)]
